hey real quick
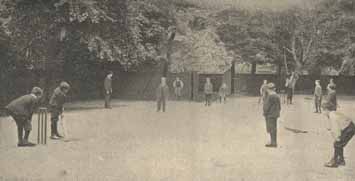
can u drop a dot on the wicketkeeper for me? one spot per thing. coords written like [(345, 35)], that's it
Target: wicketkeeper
[(21, 110)]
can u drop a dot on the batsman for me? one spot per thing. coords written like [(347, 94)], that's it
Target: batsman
[(56, 103)]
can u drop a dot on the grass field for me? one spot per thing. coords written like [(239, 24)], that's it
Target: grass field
[(190, 142)]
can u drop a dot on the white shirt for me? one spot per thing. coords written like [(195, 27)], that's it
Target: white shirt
[(338, 122)]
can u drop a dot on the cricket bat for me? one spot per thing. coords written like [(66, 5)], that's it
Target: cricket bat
[(63, 124)]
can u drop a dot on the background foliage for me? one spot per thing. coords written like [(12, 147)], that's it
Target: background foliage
[(65, 39)]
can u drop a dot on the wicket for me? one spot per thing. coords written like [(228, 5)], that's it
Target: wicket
[(42, 126)]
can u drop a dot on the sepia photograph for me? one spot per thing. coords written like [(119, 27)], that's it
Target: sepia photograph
[(177, 90)]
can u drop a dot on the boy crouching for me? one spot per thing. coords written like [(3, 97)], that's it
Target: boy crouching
[(21, 110)]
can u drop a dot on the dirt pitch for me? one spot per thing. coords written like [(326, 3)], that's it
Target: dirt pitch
[(190, 142)]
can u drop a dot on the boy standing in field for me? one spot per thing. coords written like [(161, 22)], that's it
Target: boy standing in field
[(108, 89), (208, 90), (263, 91), (289, 89), (162, 95), (332, 97), (272, 108), (178, 86), (342, 129), (56, 107), (331, 83), (223, 93), (318, 96), (21, 110)]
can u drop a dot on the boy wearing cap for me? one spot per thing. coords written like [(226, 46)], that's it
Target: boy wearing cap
[(272, 108), (318, 97), (21, 110), (342, 129), (56, 103), (108, 89), (162, 94)]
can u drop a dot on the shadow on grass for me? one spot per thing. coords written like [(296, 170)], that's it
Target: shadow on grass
[(71, 140)]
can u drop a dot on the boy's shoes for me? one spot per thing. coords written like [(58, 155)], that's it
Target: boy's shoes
[(26, 144), (331, 164), (59, 136), (30, 144), (341, 162), (54, 137), (271, 145)]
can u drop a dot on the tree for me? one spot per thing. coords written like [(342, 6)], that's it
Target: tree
[(129, 32), (249, 34), (200, 51)]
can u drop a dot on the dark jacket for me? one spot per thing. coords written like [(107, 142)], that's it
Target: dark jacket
[(23, 106), (162, 92), (58, 99), (178, 84), (332, 100), (108, 84), (272, 106)]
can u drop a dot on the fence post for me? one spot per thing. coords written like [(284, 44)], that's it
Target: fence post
[(232, 77)]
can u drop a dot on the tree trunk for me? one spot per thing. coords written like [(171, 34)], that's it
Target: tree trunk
[(253, 68), (232, 77), (298, 67), (165, 68), (279, 68)]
